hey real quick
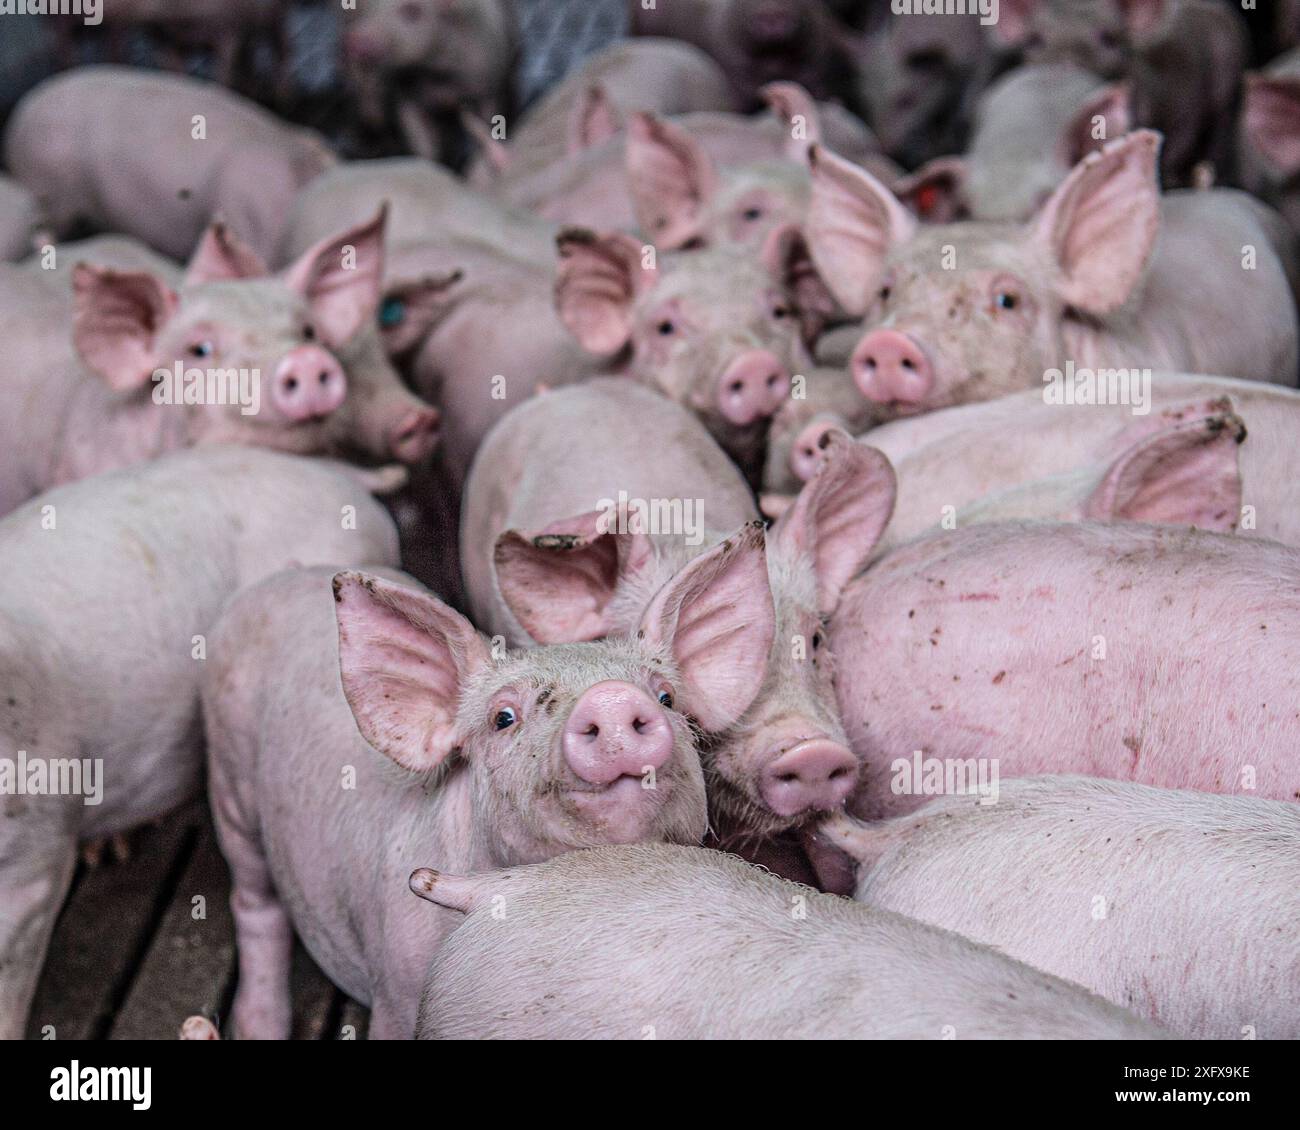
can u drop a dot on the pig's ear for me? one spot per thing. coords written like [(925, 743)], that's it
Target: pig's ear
[(599, 279), (936, 192), (716, 618), (1185, 475), (221, 256), (797, 111), (559, 581), (403, 657), (1100, 225), (465, 893), (671, 178), (410, 308), (839, 516), (1271, 119), (787, 258), (341, 278), (116, 319), (594, 119), (853, 222), (1015, 21), (1104, 117)]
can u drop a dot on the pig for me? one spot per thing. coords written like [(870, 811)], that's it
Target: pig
[(460, 752), (916, 80), (1270, 137), (682, 197), (796, 446), (425, 58), (22, 224), (759, 41), (1031, 128), (198, 150), (1176, 905), (1033, 643), (1068, 459), (665, 928), (114, 584), (1166, 48), (560, 543), (127, 325), (720, 331), (956, 313)]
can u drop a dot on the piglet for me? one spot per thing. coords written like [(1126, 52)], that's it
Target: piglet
[(686, 944), (356, 724), (114, 584), (1177, 905)]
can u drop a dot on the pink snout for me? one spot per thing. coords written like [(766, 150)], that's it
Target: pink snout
[(814, 776), (616, 730), (891, 368), (809, 449), (413, 437), (754, 385), (309, 384)]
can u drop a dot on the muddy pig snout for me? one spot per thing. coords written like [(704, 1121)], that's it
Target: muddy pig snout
[(413, 437), (616, 730), (890, 367), (808, 452), (754, 385), (816, 775), (309, 384)]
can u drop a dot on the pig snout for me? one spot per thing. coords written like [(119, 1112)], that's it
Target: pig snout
[(309, 384), (890, 367), (413, 437), (808, 451), (815, 775), (616, 730), (752, 386)]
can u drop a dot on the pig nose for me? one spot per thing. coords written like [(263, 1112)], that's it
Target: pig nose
[(616, 730), (752, 386), (816, 775), (414, 436), (309, 384), (809, 450), (890, 367)]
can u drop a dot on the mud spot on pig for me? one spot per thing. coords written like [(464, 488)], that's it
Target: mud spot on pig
[(184, 194), (1134, 746), (999, 677), (558, 541)]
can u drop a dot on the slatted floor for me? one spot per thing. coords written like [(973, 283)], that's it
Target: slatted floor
[(143, 943)]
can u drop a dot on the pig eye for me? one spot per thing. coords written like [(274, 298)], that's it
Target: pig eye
[(1005, 300), (780, 312), (391, 313), (666, 328), (201, 349), (505, 718), (816, 640), (309, 333), (885, 293), (666, 699), (752, 214)]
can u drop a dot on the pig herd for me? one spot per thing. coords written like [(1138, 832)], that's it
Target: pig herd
[(843, 460)]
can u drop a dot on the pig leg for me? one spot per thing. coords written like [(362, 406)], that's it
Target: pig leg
[(38, 853)]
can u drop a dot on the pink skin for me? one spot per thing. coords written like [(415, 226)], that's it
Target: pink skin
[(537, 570), (1097, 278), (848, 971), (1184, 58), (1186, 884), (1050, 647), (308, 384), (698, 324), (486, 769), (1270, 137), (164, 189), (146, 554)]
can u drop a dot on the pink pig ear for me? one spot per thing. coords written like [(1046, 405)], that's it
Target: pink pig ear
[(1015, 21), (716, 618), (594, 119), (798, 112), (671, 178), (853, 222), (787, 258), (1101, 223), (1186, 475), (341, 278), (599, 279), (403, 657), (116, 319), (221, 255), (559, 581), (1105, 112), (839, 515), (1271, 120)]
